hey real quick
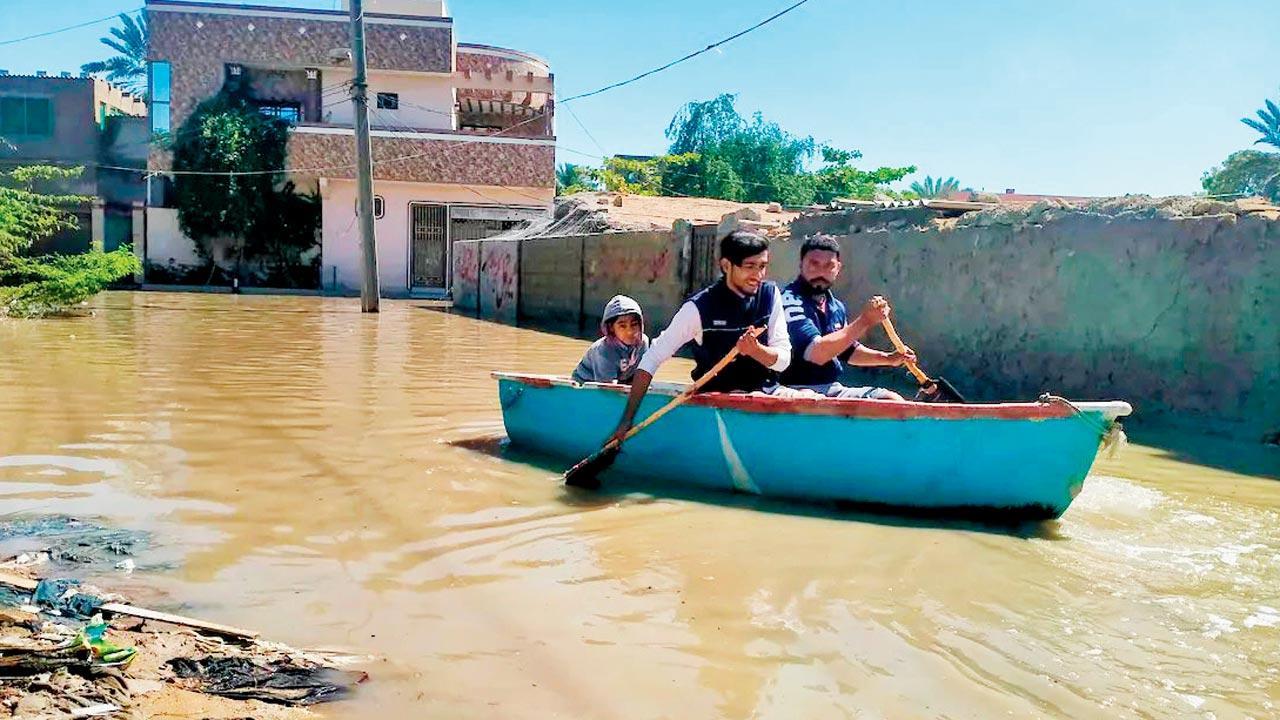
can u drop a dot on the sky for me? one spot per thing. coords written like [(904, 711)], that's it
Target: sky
[(1094, 97)]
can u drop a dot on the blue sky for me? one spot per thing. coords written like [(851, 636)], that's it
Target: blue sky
[(1091, 97)]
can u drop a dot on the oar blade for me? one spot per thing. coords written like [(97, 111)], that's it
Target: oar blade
[(939, 390), (586, 474)]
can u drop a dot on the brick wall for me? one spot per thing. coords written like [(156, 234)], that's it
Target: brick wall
[(443, 161), (199, 44)]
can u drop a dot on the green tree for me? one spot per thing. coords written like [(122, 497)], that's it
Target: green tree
[(758, 161), (571, 178), (236, 195), (129, 68), (33, 286), (1267, 124), (640, 177), (932, 188), (1245, 172), (28, 212)]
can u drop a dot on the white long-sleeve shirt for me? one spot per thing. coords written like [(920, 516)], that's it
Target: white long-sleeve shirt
[(687, 325)]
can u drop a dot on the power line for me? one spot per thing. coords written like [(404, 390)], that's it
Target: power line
[(87, 23), (578, 120), (690, 56)]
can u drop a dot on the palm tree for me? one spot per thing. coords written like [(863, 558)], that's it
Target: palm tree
[(932, 188), (571, 178), (1268, 123), (129, 68)]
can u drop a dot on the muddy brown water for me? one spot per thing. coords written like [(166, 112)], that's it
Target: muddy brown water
[(332, 480)]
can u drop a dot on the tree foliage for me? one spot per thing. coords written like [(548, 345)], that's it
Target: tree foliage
[(260, 217), (716, 152), (28, 213), (572, 178), (640, 176), (1245, 172), (32, 286), (128, 69), (932, 188), (52, 284), (1267, 124)]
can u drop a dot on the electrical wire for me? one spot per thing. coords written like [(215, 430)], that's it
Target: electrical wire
[(87, 23)]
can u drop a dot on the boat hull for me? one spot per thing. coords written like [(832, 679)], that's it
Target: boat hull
[(1026, 459)]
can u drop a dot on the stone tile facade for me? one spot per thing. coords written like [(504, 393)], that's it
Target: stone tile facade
[(441, 161), (200, 40), (198, 45)]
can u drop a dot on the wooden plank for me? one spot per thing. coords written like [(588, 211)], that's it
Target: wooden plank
[(28, 584), (18, 581), (145, 614)]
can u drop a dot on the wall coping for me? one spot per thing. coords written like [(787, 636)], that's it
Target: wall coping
[(181, 6)]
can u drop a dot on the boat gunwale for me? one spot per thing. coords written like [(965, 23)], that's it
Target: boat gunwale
[(841, 407)]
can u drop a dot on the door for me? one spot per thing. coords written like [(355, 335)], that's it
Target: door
[(429, 246), (704, 267)]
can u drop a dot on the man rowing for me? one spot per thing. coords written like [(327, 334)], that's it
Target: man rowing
[(722, 317), (822, 338)]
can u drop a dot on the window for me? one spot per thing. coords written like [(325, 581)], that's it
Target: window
[(26, 117), (291, 112), (158, 92), (379, 206), (388, 101)]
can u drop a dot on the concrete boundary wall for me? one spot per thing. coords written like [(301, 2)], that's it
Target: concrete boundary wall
[(1177, 315), (564, 282)]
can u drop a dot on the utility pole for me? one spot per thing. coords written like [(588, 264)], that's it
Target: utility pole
[(364, 164)]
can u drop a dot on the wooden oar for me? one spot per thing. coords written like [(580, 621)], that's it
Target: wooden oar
[(931, 389), (586, 473)]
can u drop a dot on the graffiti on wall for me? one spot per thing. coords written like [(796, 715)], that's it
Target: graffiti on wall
[(499, 273), (467, 263), (629, 264)]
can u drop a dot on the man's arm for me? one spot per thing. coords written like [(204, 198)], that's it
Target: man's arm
[(824, 348), (831, 345), (685, 326), (864, 356)]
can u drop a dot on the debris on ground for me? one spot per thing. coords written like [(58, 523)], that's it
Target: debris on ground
[(278, 681), (59, 657), (71, 541)]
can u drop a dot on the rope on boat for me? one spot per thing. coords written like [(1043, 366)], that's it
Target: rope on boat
[(1111, 434)]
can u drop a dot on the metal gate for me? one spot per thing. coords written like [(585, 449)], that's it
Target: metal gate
[(704, 267), (429, 246)]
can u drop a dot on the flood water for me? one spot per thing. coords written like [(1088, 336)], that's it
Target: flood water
[(332, 480)]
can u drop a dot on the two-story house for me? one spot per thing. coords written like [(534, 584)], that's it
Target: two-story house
[(84, 122), (462, 135)]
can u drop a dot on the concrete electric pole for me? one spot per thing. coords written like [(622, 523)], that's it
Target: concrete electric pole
[(364, 163)]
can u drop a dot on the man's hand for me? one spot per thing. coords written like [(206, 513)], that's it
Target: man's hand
[(874, 312), (749, 346), (898, 359)]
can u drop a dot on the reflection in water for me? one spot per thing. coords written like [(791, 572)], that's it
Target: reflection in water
[(332, 479)]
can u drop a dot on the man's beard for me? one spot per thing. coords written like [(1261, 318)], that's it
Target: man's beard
[(819, 284)]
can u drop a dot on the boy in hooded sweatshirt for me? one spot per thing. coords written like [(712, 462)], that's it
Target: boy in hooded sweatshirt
[(614, 357)]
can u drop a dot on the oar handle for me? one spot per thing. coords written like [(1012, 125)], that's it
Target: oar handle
[(689, 391), (902, 348)]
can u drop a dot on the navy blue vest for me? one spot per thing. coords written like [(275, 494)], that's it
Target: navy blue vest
[(725, 316)]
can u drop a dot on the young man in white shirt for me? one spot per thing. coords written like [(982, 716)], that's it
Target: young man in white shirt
[(720, 318)]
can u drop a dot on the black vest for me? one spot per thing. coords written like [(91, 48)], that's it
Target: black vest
[(725, 316)]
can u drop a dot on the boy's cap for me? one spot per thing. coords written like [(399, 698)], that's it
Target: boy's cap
[(620, 305)]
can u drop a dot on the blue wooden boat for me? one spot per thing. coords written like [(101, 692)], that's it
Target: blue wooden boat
[(1023, 459)]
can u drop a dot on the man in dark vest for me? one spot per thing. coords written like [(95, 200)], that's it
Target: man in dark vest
[(720, 318), (822, 337)]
